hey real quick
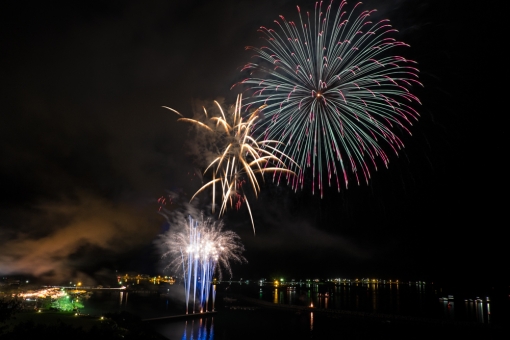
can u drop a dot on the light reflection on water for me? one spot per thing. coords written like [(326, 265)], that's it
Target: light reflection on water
[(199, 330), (400, 299), (193, 329), (478, 310)]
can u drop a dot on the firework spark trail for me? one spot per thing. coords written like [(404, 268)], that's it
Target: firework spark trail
[(241, 159), (333, 92), (199, 249)]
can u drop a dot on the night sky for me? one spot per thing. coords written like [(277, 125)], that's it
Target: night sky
[(86, 149)]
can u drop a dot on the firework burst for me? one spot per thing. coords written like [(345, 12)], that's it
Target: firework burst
[(240, 158), (333, 92), (199, 249)]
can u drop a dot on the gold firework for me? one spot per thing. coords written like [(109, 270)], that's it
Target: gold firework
[(241, 158)]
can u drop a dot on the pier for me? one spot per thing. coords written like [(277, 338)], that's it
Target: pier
[(182, 316)]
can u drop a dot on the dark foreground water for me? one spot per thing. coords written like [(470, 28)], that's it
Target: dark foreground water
[(278, 324), (417, 300), (362, 310)]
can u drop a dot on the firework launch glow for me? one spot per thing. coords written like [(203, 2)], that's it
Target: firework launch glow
[(241, 158), (199, 249), (333, 92)]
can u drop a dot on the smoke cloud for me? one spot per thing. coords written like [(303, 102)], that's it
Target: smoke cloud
[(81, 238)]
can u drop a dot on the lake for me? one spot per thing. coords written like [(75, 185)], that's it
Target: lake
[(347, 308)]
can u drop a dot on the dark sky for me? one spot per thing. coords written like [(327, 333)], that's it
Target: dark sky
[(86, 148)]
